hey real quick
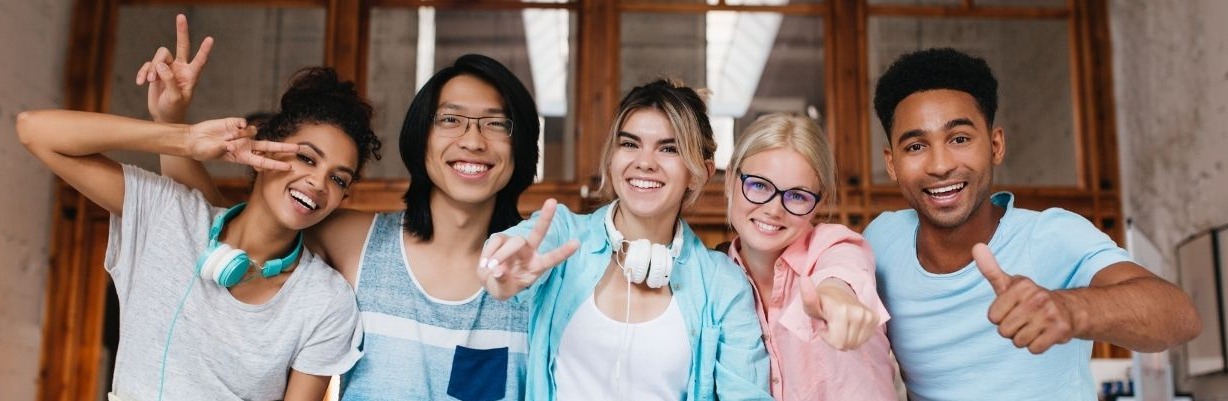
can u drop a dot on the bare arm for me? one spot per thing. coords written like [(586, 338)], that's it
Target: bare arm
[(305, 387), (339, 239), (172, 83), (1125, 305), (70, 144), (1128, 306)]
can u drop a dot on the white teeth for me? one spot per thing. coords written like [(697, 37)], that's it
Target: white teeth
[(768, 227), (948, 188), (469, 168), (304, 199), (645, 184)]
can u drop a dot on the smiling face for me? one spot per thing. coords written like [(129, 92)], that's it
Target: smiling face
[(942, 154), (320, 173), (467, 165), (647, 173), (769, 228)]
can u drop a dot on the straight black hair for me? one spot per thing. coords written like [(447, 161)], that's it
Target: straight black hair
[(518, 105)]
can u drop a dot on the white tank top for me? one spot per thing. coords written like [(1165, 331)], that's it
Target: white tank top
[(655, 357)]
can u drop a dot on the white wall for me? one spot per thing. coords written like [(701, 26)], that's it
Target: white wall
[(1171, 83), (33, 36)]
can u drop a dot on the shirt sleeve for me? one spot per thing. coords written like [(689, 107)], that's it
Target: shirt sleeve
[(332, 347), (1063, 238), (145, 197), (832, 252), (741, 371)]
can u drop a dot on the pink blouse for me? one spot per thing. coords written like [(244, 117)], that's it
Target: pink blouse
[(803, 366)]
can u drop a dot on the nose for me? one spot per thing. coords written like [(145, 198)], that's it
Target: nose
[(774, 207), (645, 159), (472, 139), (940, 162)]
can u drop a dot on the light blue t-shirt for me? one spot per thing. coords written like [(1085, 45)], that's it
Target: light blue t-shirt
[(939, 329)]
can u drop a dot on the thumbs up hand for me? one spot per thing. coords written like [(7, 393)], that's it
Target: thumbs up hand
[(1028, 314)]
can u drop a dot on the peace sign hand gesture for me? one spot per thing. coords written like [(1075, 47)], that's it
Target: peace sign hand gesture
[(172, 80), (229, 139), (511, 264)]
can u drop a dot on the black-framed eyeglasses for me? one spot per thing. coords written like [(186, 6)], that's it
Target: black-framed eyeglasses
[(759, 190), (455, 125)]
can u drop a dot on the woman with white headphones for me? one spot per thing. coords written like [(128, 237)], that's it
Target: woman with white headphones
[(627, 302)]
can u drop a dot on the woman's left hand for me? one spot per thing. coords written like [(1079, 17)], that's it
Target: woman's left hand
[(849, 322)]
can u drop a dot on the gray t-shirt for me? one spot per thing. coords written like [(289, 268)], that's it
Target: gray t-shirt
[(221, 349)]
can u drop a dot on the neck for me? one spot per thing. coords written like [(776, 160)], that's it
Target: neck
[(459, 223), (658, 230), (948, 249), (251, 232), (758, 263)]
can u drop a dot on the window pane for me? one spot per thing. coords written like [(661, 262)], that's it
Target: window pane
[(728, 2), (1021, 3), (1031, 60), (409, 45), (255, 52), (753, 63), (916, 2)]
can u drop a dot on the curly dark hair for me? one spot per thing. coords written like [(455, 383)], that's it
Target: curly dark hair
[(518, 105), (929, 69), (317, 96)]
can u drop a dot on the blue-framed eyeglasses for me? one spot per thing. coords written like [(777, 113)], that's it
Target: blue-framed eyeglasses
[(759, 190)]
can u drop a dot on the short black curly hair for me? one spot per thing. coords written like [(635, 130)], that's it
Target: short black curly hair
[(317, 96), (943, 68)]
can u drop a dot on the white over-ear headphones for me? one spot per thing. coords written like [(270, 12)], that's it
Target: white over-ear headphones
[(645, 262)]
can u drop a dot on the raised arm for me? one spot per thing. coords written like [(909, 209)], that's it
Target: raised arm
[(70, 143), (1125, 305), (172, 84)]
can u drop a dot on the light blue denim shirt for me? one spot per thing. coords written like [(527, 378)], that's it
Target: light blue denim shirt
[(728, 362)]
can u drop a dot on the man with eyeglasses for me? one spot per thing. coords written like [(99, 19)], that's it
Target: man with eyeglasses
[(1020, 324)]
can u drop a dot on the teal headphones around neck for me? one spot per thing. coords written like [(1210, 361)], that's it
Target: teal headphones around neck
[(227, 265)]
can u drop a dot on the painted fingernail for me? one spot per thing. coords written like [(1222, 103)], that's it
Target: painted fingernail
[(482, 263), (491, 264)]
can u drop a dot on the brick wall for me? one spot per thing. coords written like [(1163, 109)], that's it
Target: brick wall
[(33, 35)]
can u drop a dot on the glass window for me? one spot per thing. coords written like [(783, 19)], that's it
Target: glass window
[(753, 63), (1030, 58), (408, 45), (255, 52)]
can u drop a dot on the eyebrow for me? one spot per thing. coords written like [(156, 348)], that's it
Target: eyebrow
[(945, 127), (456, 107), (316, 149), (666, 141)]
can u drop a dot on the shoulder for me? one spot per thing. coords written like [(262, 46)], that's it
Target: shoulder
[(321, 279), (889, 224), (827, 234)]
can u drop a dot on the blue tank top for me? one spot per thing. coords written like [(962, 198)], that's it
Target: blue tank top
[(417, 347)]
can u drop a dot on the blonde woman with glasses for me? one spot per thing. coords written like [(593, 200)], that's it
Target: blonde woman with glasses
[(814, 287)]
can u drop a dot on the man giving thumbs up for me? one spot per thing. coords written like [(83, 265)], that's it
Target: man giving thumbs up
[(1018, 325)]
